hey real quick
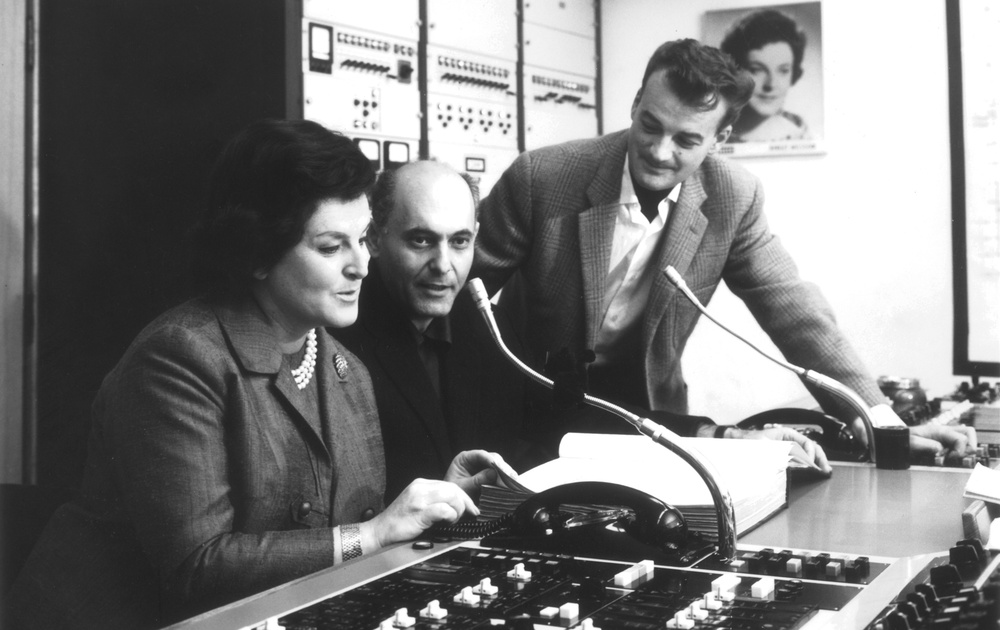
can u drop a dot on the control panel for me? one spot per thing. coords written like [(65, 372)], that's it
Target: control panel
[(477, 587), (471, 99), (960, 590), (442, 585), (558, 106), (472, 87), (467, 82), (560, 72), (364, 84), (786, 563)]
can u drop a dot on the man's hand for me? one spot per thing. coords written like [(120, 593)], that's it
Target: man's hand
[(470, 470), (956, 440), (803, 448)]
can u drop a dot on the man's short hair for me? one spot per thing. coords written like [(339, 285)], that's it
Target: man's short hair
[(761, 28), (383, 196), (700, 75)]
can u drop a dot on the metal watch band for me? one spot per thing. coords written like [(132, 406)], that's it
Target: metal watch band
[(350, 541)]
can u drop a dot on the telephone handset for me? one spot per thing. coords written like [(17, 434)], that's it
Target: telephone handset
[(583, 517), (836, 438), (645, 517)]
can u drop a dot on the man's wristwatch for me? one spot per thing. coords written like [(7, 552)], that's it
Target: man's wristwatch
[(350, 541)]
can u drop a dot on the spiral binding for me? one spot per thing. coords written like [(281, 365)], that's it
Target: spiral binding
[(471, 530)]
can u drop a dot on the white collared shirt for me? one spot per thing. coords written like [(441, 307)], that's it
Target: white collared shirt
[(626, 290)]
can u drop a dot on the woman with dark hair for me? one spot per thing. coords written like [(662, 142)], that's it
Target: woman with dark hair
[(236, 445), (770, 45)]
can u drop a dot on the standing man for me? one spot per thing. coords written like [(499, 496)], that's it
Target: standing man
[(591, 225), (440, 382)]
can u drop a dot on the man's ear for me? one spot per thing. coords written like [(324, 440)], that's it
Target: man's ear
[(721, 137), (635, 101), (374, 241)]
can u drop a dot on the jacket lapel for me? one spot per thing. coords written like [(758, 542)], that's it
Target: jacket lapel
[(403, 366), (463, 374), (330, 378), (257, 351), (596, 231), (288, 390), (685, 230), (596, 227), (396, 351)]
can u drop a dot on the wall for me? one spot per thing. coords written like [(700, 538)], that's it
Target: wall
[(868, 221), (12, 177)]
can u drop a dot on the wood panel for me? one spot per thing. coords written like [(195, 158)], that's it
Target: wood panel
[(135, 101)]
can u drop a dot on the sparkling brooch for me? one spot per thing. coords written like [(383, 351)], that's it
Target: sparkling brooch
[(340, 364)]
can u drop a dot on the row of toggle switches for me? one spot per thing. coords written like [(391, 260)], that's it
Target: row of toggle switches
[(723, 591), (565, 615), (467, 596), (475, 81), (819, 566), (365, 66)]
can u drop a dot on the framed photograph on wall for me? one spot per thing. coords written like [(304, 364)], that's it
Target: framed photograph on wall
[(782, 47)]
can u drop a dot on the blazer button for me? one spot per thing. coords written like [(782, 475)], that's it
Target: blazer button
[(304, 509), (367, 515)]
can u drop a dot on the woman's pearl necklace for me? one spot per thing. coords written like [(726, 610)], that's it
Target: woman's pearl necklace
[(303, 374)]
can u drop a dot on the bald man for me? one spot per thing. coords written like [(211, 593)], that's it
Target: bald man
[(440, 382)]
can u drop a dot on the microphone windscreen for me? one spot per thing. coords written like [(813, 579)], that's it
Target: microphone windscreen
[(479, 295), (673, 276)]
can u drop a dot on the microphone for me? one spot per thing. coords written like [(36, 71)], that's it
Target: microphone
[(825, 383), (724, 509)]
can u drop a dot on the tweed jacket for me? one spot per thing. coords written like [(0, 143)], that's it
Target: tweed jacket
[(482, 396), (551, 217), (206, 480)]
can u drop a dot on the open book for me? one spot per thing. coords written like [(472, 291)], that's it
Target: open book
[(753, 471)]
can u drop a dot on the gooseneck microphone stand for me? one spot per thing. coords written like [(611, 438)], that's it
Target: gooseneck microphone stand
[(825, 383), (725, 512)]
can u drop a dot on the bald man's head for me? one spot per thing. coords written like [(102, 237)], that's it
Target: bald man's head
[(384, 195), (424, 220)]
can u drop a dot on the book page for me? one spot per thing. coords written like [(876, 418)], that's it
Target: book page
[(722, 453), (746, 468)]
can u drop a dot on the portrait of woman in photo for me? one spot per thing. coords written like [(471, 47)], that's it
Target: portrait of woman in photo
[(771, 46)]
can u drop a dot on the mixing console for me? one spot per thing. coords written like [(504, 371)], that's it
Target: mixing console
[(477, 587), (591, 582), (446, 586)]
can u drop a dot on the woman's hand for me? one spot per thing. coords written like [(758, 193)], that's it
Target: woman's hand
[(420, 505), (470, 470)]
